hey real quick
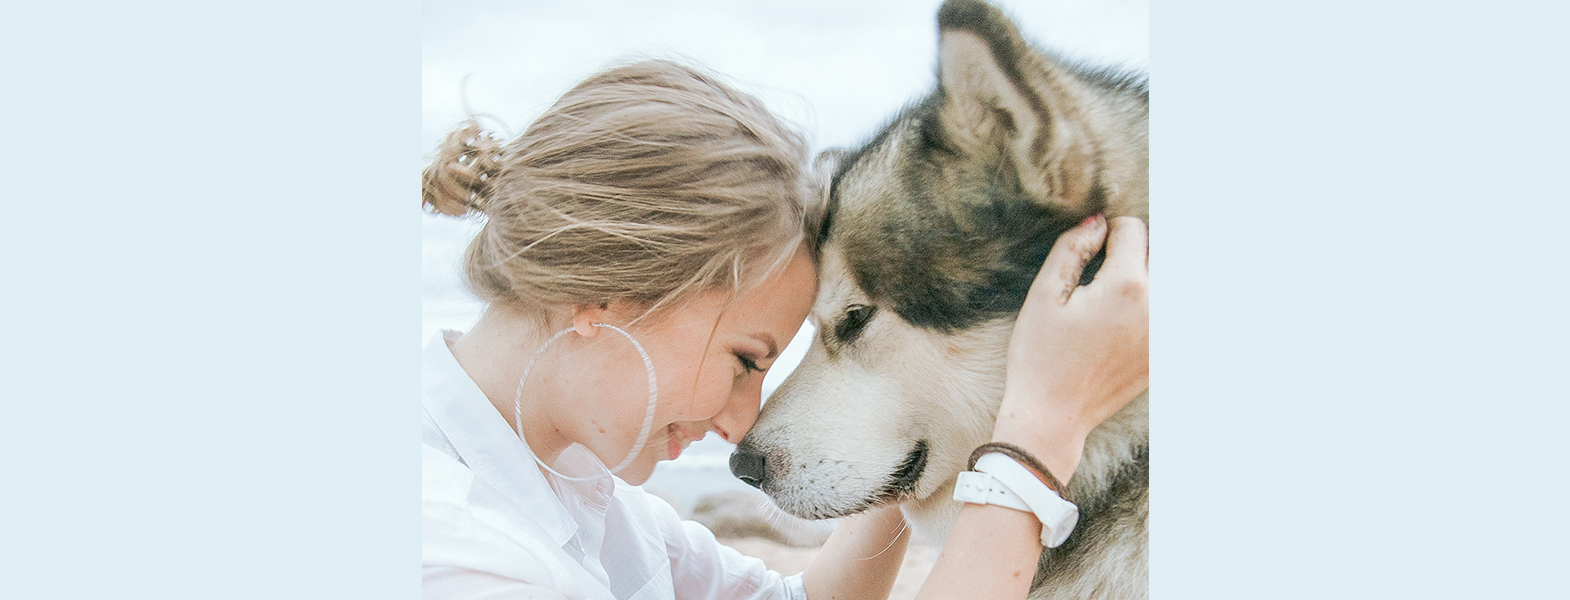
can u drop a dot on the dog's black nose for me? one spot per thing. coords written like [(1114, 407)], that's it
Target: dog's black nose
[(749, 466)]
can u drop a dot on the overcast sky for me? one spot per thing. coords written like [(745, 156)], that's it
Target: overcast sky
[(837, 69)]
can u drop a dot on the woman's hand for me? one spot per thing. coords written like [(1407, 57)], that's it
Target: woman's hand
[(1078, 353)]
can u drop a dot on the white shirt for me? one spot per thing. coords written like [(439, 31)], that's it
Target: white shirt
[(494, 525)]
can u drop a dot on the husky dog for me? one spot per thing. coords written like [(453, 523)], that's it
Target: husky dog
[(927, 240)]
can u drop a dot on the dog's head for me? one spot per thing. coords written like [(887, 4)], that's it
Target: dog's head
[(928, 239)]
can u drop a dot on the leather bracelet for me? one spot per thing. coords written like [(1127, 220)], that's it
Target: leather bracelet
[(1023, 457), (999, 479)]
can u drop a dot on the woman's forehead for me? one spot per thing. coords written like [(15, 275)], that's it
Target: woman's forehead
[(782, 302), (775, 308)]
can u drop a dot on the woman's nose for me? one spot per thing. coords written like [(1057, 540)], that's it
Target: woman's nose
[(737, 417)]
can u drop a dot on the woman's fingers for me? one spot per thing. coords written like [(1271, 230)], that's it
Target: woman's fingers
[(1060, 273), (1128, 246)]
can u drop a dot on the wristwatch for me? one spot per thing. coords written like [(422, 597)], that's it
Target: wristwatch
[(998, 479)]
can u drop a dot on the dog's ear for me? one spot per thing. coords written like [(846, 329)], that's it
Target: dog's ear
[(819, 204), (1002, 98)]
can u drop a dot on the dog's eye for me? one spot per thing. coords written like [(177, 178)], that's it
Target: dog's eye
[(855, 319)]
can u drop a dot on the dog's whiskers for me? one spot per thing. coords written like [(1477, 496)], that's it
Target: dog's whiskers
[(903, 525)]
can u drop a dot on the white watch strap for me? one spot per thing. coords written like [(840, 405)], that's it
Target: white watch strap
[(1058, 516), (981, 488)]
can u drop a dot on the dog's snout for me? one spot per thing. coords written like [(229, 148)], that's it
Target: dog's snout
[(749, 466)]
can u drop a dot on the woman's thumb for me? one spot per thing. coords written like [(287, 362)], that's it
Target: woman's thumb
[(1059, 276)]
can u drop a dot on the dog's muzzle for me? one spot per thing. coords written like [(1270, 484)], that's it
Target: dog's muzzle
[(752, 467)]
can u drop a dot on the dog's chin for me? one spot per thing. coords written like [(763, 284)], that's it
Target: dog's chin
[(838, 508), (835, 510), (898, 487)]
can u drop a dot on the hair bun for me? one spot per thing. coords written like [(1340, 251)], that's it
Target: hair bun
[(458, 181)]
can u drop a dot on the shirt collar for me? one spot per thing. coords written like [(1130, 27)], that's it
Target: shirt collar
[(484, 441)]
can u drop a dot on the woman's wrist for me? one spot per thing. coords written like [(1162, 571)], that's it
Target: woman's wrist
[(1055, 440)]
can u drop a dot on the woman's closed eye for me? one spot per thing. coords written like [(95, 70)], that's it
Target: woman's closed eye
[(750, 364)]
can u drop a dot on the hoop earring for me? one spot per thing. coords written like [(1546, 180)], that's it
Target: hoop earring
[(648, 415)]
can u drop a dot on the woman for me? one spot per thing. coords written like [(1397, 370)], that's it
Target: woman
[(644, 264)]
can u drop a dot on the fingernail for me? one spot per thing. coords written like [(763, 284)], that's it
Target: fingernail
[(1090, 220)]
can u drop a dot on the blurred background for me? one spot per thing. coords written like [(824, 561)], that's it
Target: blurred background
[(837, 70)]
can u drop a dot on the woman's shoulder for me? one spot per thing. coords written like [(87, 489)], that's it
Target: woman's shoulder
[(443, 479), (453, 500), (462, 531)]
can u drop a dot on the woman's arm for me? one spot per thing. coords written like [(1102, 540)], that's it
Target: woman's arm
[(861, 557), (1077, 356)]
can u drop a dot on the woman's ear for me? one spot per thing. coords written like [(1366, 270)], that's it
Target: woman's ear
[(584, 318)]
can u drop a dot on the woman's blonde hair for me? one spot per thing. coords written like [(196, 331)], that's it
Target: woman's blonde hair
[(644, 183)]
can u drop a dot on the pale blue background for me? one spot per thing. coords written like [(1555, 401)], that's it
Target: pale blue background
[(1358, 300), (208, 277), (209, 272)]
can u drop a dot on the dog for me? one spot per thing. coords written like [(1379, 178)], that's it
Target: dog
[(928, 238)]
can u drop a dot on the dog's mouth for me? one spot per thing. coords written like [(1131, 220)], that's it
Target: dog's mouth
[(898, 486), (902, 483)]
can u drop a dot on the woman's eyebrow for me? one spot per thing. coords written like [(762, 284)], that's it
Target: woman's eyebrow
[(774, 348)]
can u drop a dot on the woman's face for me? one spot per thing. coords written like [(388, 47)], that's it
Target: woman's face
[(709, 358)]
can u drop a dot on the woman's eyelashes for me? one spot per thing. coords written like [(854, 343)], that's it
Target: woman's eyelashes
[(750, 364)]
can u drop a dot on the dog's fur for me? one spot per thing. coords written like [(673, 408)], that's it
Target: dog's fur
[(928, 239)]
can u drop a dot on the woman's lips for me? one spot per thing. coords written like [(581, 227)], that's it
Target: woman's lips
[(676, 441)]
